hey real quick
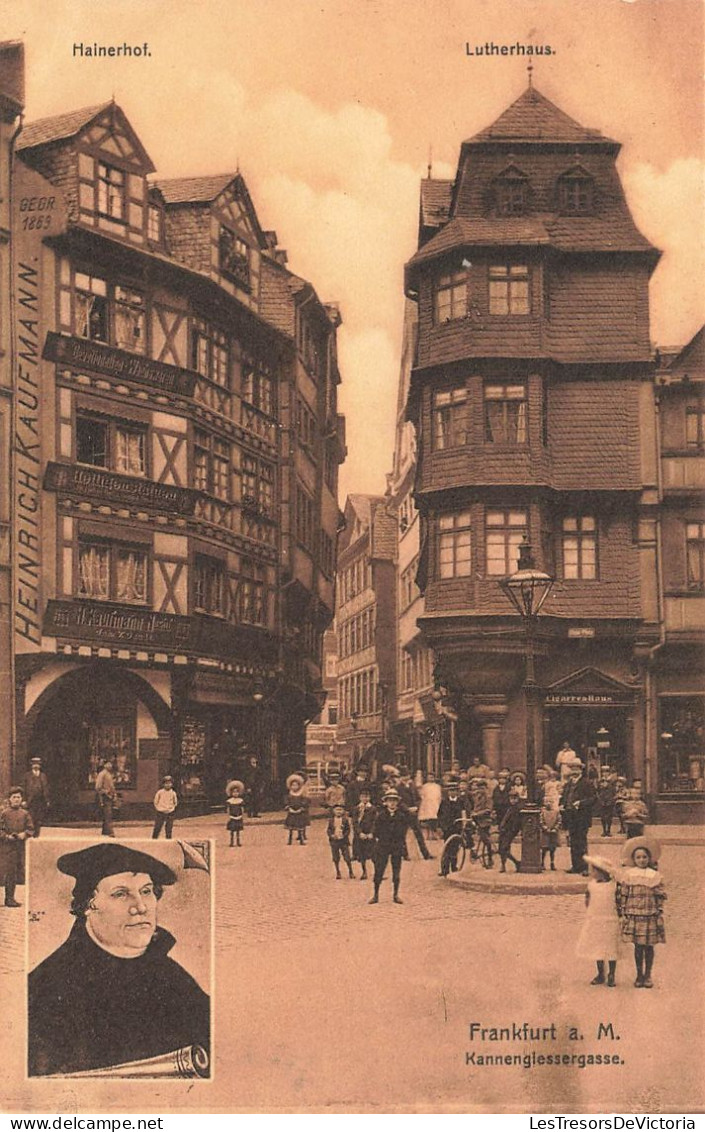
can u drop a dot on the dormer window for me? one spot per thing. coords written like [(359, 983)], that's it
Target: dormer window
[(234, 257), (111, 191), (511, 193), (576, 193)]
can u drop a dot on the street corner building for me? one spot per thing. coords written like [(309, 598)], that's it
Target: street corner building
[(172, 399), (539, 412)]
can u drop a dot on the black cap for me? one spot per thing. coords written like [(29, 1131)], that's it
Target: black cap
[(99, 861)]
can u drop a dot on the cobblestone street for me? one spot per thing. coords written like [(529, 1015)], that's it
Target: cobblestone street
[(324, 1001)]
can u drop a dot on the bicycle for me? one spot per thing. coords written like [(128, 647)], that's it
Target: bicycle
[(457, 846)]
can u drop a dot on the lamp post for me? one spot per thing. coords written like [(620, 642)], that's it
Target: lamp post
[(527, 590)]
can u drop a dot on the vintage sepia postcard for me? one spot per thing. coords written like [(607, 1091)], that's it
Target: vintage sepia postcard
[(352, 557)]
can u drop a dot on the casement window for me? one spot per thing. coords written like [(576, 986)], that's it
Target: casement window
[(154, 224), (210, 586), (454, 545), (114, 314), (308, 345), (305, 519), (504, 532), (258, 390), (234, 258), (211, 464), (116, 445), (579, 547), (576, 194), (695, 426), (91, 307), (509, 289), (406, 671), (305, 424), (327, 555), (451, 296), (449, 418), (511, 195), (330, 466), (251, 596), (112, 572), (129, 318), (209, 353), (695, 555), (505, 413), (408, 590), (257, 485), (111, 191)]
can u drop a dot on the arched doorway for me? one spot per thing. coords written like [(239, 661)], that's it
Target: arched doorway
[(89, 716)]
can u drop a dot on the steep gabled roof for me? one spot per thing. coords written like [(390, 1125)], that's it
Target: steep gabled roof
[(534, 118), (59, 127), (691, 358), (194, 190)]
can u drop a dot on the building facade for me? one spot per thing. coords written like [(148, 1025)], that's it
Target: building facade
[(676, 673), (157, 517), (422, 725), (531, 394), (366, 624), (11, 103), (323, 748)]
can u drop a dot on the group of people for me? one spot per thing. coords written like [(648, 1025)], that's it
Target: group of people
[(367, 823)]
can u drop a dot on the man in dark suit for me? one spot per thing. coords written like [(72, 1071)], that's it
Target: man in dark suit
[(36, 792), (577, 804), (410, 800)]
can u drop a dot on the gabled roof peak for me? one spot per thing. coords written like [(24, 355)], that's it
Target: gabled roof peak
[(533, 117)]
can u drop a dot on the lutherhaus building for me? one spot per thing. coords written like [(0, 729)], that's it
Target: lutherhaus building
[(532, 395), (177, 445)]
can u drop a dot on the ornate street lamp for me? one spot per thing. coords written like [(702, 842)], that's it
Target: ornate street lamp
[(527, 590)]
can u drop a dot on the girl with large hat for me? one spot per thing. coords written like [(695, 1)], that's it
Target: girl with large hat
[(297, 816), (640, 899)]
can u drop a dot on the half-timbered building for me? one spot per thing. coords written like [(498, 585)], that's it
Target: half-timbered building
[(159, 455)]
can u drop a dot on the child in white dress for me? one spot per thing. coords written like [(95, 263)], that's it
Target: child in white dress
[(600, 938)]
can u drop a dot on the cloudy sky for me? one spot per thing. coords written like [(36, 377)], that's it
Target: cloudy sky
[(330, 109)]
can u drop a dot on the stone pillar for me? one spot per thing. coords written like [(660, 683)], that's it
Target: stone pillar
[(490, 714)]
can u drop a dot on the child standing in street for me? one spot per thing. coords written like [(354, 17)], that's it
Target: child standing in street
[(509, 828), (600, 938), (640, 899), (235, 807), (339, 838), (635, 813), (165, 803), (364, 816), (296, 807)]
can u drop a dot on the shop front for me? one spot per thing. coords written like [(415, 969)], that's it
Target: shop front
[(595, 715), (95, 714)]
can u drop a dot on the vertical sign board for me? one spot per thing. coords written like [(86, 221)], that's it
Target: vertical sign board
[(39, 211)]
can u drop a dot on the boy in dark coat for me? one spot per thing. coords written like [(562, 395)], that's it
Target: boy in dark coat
[(510, 828), (364, 816), (339, 838), (390, 829)]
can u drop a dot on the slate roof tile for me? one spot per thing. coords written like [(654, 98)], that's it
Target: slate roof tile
[(58, 127), (533, 117), (194, 190)]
